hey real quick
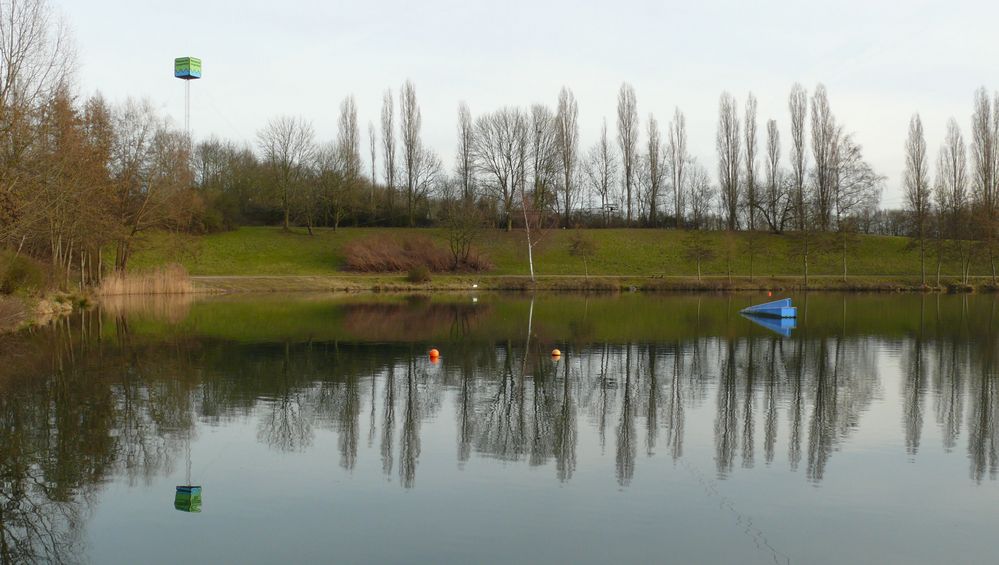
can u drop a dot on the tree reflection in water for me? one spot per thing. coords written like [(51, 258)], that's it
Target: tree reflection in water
[(93, 399)]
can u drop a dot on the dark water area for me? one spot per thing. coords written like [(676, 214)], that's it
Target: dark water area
[(672, 429)]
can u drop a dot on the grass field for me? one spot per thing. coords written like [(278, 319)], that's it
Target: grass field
[(619, 253)]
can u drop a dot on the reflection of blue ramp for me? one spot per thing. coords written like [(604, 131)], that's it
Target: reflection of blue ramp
[(776, 309), (783, 326)]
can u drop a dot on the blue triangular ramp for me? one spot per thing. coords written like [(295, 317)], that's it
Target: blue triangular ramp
[(783, 326), (776, 309)]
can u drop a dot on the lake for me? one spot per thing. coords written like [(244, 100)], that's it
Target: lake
[(671, 429)]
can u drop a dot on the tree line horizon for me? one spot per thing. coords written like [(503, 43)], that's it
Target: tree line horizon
[(81, 175)]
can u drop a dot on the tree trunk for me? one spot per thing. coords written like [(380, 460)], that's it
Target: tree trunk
[(287, 210), (410, 201), (69, 262), (922, 261), (530, 253), (992, 261), (121, 256), (844, 260), (527, 229), (966, 264), (804, 257)]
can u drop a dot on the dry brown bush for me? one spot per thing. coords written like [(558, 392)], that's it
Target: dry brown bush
[(381, 254)]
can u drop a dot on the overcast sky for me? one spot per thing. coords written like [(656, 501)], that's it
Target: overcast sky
[(880, 61)]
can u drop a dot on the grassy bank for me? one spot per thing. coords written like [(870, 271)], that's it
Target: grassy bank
[(622, 258)]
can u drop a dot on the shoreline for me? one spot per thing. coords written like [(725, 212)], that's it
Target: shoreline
[(17, 312), (350, 283)]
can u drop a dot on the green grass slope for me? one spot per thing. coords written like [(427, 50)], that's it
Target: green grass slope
[(619, 252)]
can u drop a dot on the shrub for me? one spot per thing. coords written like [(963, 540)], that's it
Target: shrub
[(954, 288), (584, 247), (380, 253), (21, 274), (418, 274)]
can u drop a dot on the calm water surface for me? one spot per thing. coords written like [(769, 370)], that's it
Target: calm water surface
[(671, 430)]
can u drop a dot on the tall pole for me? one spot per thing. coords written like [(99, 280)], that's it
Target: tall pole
[(187, 109)]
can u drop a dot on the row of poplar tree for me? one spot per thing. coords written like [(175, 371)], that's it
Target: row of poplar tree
[(78, 175)]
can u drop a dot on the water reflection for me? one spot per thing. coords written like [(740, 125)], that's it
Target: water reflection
[(113, 396)]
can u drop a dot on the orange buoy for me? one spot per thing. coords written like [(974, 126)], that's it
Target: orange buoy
[(556, 353), (769, 293), (434, 354)]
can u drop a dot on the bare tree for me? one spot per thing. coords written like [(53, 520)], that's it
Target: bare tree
[(338, 166), (952, 194), (952, 174), (676, 150), (584, 247), (464, 223), (697, 249), (373, 147), (727, 142), (349, 137), (752, 191), (533, 214), (985, 169), (498, 156), (654, 174), (917, 186), (428, 175), (388, 151), (36, 55), (287, 144), (567, 141), (856, 188), (35, 61), (410, 123), (824, 135), (775, 203), (798, 105), (601, 170), (336, 186), (627, 139), (855, 184), (543, 156), (702, 195), (466, 143), (148, 185)]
